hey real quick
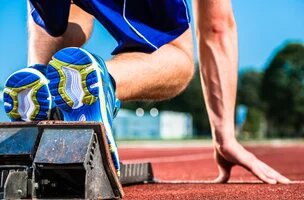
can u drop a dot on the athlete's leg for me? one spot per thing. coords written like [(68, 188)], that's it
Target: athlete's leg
[(160, 75), (42, 46), (217, 41), (139, 76)]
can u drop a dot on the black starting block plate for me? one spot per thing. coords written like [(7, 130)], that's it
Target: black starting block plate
[(64, 146), (63, 160), (74, 147), (17, 143)]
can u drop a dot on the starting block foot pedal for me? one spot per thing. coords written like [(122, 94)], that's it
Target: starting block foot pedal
[(136, 173)]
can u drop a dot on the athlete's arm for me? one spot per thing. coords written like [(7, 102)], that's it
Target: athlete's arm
[(218, 56)]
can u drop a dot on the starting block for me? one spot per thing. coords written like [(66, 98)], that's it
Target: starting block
[(62, 160), (55, 159)]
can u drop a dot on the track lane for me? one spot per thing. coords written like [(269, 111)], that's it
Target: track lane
[(175, 166)]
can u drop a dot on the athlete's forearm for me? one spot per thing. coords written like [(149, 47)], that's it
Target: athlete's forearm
[(217, 43)]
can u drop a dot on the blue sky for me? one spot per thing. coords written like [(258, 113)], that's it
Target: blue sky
[(263, 26)]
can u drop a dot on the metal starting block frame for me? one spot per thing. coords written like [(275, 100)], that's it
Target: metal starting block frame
[(62, 160)]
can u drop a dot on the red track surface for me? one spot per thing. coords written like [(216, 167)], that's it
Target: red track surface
[(197, 164)]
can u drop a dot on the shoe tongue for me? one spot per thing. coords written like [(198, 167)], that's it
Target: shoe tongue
[(113, 82), (40, 67), (116, 108), (98, 58)]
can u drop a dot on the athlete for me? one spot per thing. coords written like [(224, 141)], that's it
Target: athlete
[(153, 61)]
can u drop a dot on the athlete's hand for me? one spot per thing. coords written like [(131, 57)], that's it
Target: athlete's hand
[(235, 154)]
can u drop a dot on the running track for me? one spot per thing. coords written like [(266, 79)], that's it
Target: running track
[(186, 162)]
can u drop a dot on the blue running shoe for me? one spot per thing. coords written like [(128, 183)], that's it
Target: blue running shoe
[(55, 113), (82, 89), (26, 96)]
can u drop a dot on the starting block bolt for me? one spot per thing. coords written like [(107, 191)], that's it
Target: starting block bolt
[(19, 192), (45, 181)]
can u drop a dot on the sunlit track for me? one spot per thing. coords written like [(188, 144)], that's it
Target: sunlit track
[(171, 159), (180, 158), (185, 172)]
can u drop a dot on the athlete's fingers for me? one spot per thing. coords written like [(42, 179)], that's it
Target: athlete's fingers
[(224, 175), (220, 179), (279, 177), (224, 169), (257, 170), (283, 179), (276, 175), (268, 171)]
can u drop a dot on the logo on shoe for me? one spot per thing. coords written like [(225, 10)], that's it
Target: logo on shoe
[(6, 104), (82, 117)]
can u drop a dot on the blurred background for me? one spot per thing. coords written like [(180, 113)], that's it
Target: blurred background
[(270, 101)]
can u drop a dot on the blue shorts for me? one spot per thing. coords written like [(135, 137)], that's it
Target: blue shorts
[(137, 25)]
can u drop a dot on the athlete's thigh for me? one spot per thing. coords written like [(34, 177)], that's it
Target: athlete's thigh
[(140, 26)]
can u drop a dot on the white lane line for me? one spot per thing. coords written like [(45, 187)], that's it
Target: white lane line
[(297, 182), (171, 159), (212, 182)]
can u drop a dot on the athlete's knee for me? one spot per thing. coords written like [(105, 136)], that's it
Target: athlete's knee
[(186, 67), (56, 29), (183, 71), (185, 59), (79, 27), (76, 35)]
